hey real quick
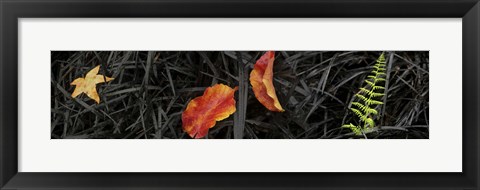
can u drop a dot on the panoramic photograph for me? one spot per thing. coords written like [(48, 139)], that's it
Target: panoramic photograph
[(239, 94)]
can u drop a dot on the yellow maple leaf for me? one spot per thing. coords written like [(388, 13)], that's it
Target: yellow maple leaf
[(88, 84)]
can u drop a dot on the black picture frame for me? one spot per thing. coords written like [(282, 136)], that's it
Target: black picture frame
[(12, 10)]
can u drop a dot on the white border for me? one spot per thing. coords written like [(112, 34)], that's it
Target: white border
[(440, 153)]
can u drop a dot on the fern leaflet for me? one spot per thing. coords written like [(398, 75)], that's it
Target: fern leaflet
[(369, 97)]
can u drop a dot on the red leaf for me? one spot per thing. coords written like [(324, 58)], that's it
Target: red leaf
[(261, 79), (216, 104)]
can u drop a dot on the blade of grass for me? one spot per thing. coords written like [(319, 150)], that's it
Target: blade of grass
[(240, 114)]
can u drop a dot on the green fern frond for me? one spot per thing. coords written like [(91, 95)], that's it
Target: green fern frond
[(378, 73), (359, 114), (370, 83), (369, 111), (365, 109), (379, 67), (349, 126), (370, 123), (381, 58), (369, 95), (366, 91), (358, 104), (378, 80), (373, 102), (355, 129), (376, 94), (362, 97)]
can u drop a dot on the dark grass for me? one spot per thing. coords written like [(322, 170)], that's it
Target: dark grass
[(151, 89)]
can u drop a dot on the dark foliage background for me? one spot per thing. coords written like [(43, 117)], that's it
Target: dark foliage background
[(151, 89)]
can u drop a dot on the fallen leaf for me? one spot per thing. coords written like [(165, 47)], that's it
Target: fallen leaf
[(261, 79), (216, 104), (88, 84)]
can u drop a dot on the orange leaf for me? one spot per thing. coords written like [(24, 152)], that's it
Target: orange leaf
[(201, 114), (88, 84), (261, 79)]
